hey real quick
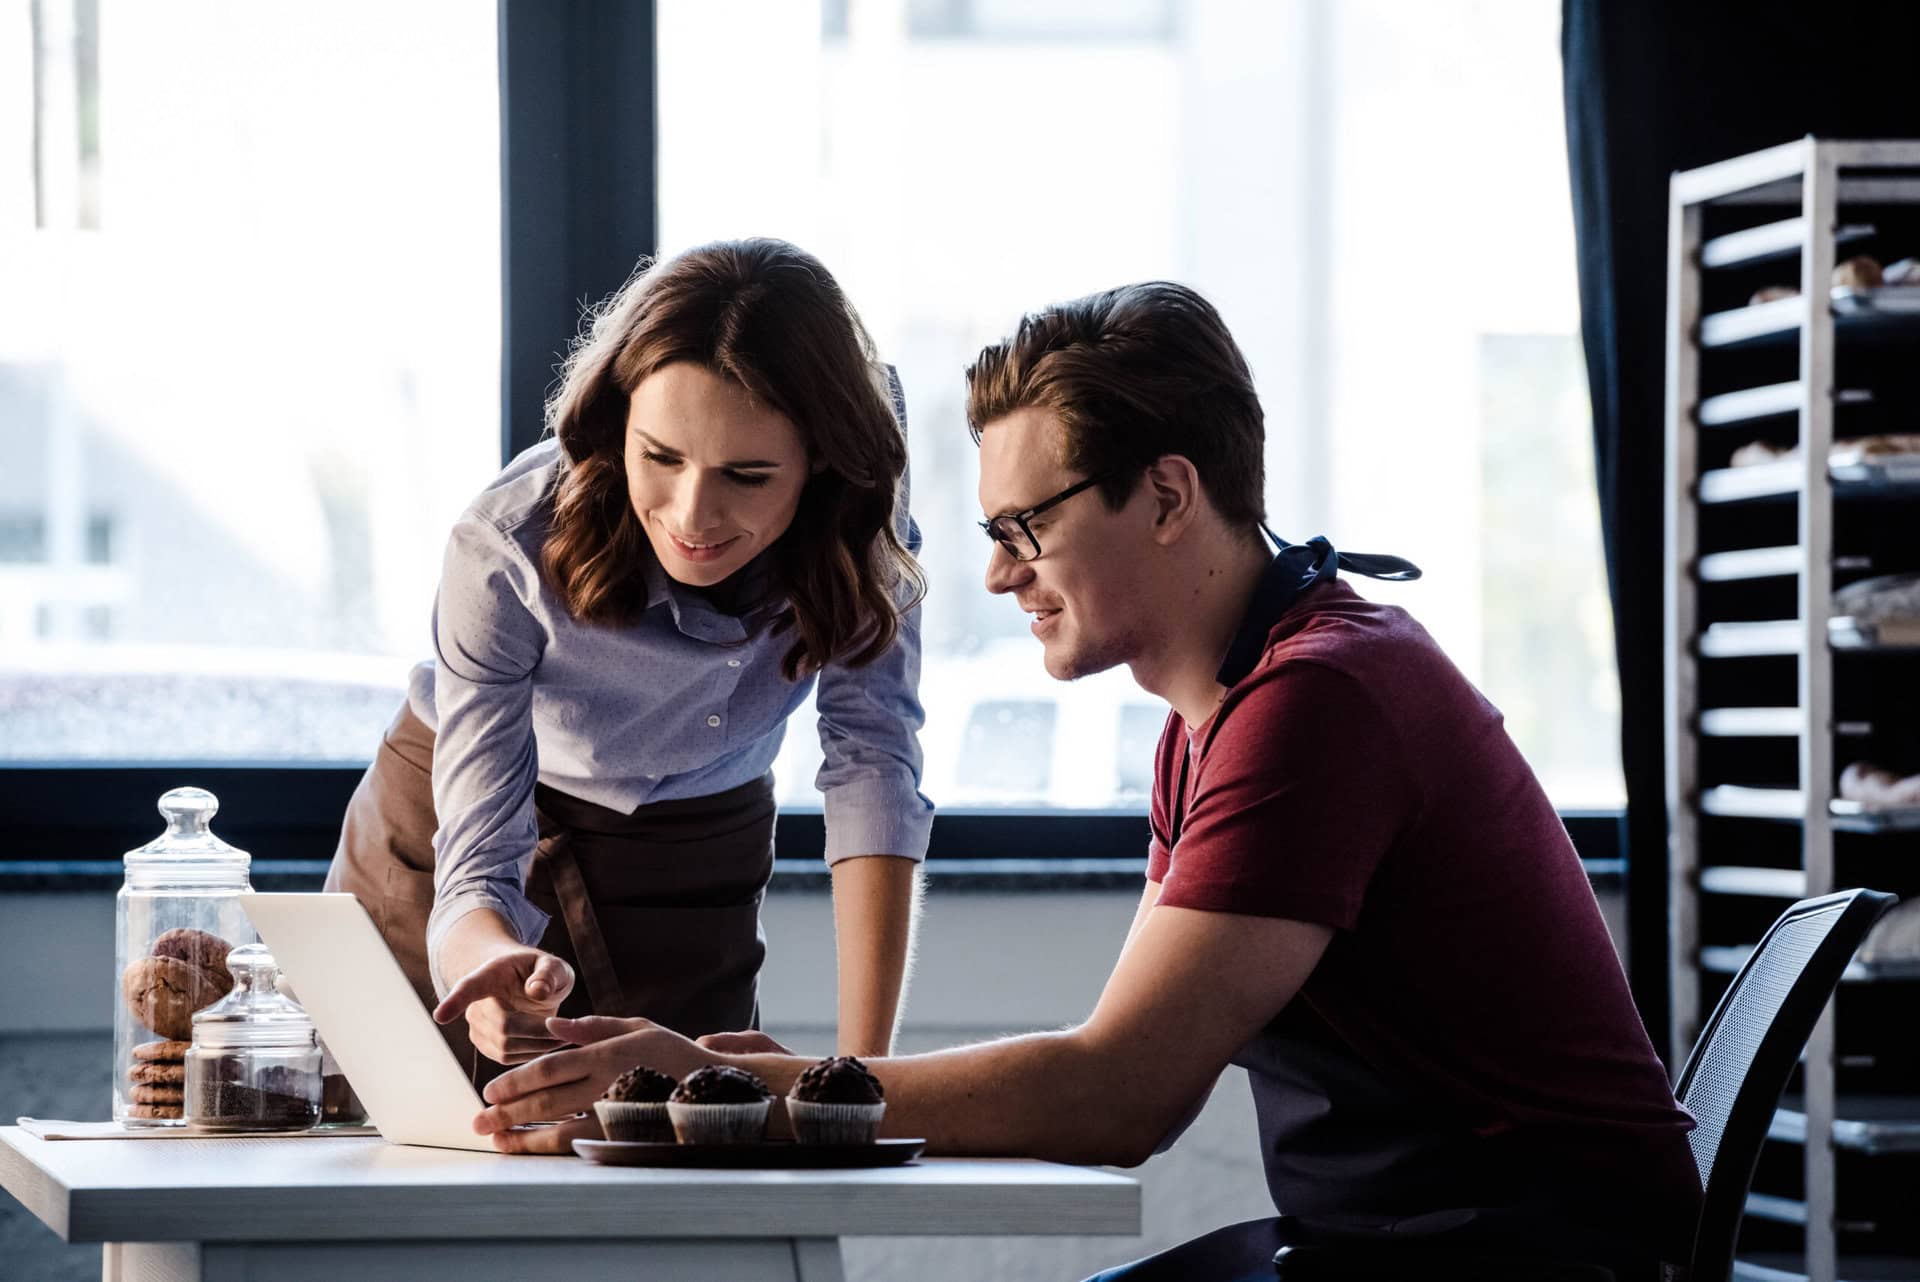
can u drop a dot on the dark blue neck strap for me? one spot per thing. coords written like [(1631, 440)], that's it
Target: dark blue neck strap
[(1297, 568)]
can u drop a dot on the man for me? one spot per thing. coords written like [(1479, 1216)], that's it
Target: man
[(1356, 888)]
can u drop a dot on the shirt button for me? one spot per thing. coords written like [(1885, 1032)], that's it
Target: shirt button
[(733, 663), (714, 721)]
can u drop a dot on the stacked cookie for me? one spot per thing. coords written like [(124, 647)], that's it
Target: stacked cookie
[(159, 1077), (184, 971)]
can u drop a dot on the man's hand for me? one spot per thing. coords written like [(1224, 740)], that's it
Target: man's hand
[(508, 1000), (567, 1082)]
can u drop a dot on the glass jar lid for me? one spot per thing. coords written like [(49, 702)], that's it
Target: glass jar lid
[(256, 1014), (188, 852)]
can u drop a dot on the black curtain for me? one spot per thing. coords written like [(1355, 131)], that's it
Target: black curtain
[(1653, 86)]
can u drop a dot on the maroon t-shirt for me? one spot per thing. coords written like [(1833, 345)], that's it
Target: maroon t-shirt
[(1468, 1036)]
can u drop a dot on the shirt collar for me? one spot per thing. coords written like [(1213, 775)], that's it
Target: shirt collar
[(695, 616)]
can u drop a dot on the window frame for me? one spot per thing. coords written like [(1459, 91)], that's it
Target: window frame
[(77, 811), (578, 151)]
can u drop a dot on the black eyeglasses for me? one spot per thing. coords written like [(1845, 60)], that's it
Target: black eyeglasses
[(1014, 534)]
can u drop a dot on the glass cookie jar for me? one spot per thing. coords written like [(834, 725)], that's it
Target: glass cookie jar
[(255, 1060), (176, 918)]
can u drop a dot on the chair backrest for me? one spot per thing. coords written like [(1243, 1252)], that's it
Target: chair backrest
[(1741, 1063)]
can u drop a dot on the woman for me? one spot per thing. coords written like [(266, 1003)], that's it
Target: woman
[(579, 788)]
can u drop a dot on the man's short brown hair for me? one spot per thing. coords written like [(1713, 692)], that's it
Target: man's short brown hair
[(1133, 374)]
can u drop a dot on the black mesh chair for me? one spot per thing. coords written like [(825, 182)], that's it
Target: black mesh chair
[(1731, 1084)]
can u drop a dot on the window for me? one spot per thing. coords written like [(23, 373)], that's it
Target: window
[(249, 365), (1140, 727), (1327, 173), (1007, 750)]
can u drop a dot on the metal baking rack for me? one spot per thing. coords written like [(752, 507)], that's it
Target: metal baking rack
[(1754, 738)]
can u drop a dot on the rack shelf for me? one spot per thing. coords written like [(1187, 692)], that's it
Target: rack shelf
[(1895, 302), (1774, 1267), (1851, 816), (1776, 883), (1752, 403), (1767, 723), (1862, 1123), (1750, 563), (1759, 638), (1778, 1210), (1856, 634), (1891, 314), (1894, 478), (1793, 1210), (1755, 323), (1769, 242), (1752, 640), (1734, 801)]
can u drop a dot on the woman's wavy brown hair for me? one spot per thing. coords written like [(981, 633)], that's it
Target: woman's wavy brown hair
[(770, 318)]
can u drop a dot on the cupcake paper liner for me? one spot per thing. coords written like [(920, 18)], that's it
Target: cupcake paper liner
[(623, 1120), (719, 1123), (835, 1123)]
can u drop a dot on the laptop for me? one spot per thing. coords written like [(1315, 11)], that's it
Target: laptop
[(385, 1041)]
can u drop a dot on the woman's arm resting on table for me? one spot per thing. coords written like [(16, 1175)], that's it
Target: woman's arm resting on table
[(1191, 989), (876, 903)]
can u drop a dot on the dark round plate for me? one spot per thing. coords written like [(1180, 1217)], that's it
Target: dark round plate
[(767, 1155)]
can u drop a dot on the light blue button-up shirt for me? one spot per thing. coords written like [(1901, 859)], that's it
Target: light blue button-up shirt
[(682, 702)]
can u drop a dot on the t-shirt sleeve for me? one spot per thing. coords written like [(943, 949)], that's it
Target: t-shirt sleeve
[(1302, 791)]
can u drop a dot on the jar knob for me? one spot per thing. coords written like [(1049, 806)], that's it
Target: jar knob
[(253, 968), (188, 811)]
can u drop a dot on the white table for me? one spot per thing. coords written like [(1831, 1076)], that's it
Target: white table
[(321, 1210)]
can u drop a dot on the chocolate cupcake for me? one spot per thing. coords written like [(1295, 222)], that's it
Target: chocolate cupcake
[(836, 1101), (720, 1104), (635, 1107)]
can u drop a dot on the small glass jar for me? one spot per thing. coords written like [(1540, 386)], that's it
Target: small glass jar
[(255, 1060), (176, 918)]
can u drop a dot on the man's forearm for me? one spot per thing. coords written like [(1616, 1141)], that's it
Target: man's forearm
[(874, 906), (1045, 1095)]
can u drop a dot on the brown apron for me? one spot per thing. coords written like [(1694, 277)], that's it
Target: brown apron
[(658, 912)]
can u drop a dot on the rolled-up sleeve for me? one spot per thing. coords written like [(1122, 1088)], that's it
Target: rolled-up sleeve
[(870, 721), (487, 644)]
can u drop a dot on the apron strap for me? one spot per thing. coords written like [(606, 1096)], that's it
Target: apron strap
[(583, 927)]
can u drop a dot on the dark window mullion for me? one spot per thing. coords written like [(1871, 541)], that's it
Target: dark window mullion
[(577, 168)]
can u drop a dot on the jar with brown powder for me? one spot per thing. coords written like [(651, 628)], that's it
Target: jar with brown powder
[(255, 1060)]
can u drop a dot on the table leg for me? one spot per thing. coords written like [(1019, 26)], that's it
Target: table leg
[(817, 1259), (150, 1262)]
